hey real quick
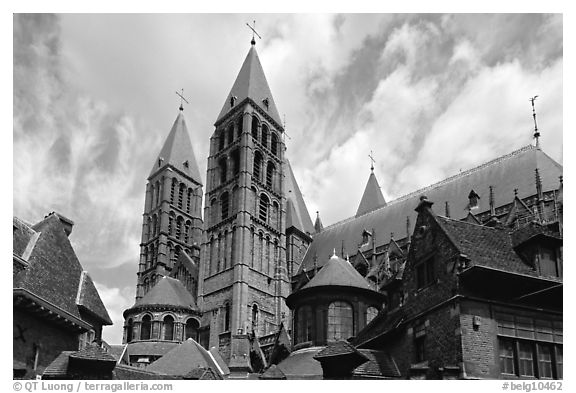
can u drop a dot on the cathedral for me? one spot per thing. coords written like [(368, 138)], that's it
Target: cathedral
[(236, 270)]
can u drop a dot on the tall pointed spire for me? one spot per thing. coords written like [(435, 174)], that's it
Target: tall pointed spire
[(372, 198), (318, 224), (251, 83), (177, 151)]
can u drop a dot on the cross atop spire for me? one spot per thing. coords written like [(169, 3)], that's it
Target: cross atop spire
[(253, 28), (536, 132), (372, 160), (182, 99)]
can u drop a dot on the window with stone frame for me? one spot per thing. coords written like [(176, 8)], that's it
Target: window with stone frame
[(340, 321), (146, 328), (263, 208), (255, 123), (530, 348), (168, 327), (257, 166), (549, 262), (191, 329), (224, 205), (264, 139), (230, 134), (425, 274), (420, 343), (270, 174), (274, 144), (304, 318)]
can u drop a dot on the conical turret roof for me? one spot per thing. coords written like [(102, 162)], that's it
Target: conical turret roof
[(168, 292), (338, 272), (178, 152), (251, 82), (372, 198)]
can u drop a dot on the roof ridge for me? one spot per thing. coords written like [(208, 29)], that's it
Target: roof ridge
[(438, 184)]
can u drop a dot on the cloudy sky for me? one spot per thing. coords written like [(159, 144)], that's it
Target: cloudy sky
[(430, 95)]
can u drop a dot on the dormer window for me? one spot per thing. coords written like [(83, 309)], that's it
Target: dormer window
[(186, 164), (233, 101), (549, 262), (160, 161), (473, 200), (266, 103)]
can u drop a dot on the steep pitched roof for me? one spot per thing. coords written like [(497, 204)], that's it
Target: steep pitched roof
[(515, 170), (58, 369), (296, 212), (485, 246), (54, 273), (178, 152), (273, 372), (251, 83), (168, 292), (337, 348), (379, 364), (338, 272), (94, 353), (89, 300), (183, 359), (302, 365), (142, 348), (372, 198)]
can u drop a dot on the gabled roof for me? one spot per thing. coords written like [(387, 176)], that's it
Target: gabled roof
[(515, 170), (338, 272), (518, 210), (296, 212), (54, 273), (183, 359), (302, 365), (273, 372), (89, 300), (379, 364), (168, 292), (251, 83), (94, 353), (372, 198), (58, 369), (178, 152), (338, 348), (485, 246)]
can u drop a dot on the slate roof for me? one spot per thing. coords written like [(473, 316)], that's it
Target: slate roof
[(338, 272), (302, 365), (515, 170), (372, 198), (530, 231), (177, 150), (251, 82), (168, 292), (125, 372), (203, 374), (93, 353), (58, 369), (337, 348), (184, 358), (297, 215), (379, 364), (152, 348), (485, 246), (54, 273), (218, 359), (273, 372)]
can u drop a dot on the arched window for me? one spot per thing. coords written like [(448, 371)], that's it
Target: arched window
[(235, 162), (152, 255), (173, 191), (153, 281), (274, 144), (149, 227), (224, 199), (263, 208), (179, 221), (177, 251), (129, 328), (152, 195), (213, 211), (189, 200), (181, 195), (235, 199), (168, 327), (187, 232), (371, 312), (257, 165), (233, 246), (221, 140), (255, 128), (191, 330), (171, 259), (255, 318), (223, 168), (157, 193), (171, 224), (146, 327), (154, 224), (304, 324), (239, 125), (275, 217), (340, 321), (226, 317), (264, 136), (231, 134), (270, 174)]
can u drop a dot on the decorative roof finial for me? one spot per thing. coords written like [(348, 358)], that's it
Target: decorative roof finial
[(253, 42), (372, 161), (536, 132), (334, 254), (182, 100), (515, 192)]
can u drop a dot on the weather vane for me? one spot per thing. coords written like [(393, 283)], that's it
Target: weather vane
[(182, 99), (253, 42), (536, 132), (371, 159)]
